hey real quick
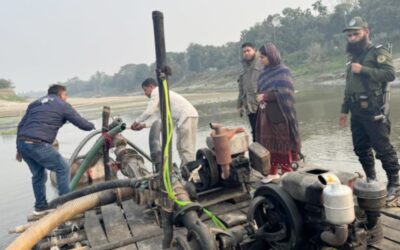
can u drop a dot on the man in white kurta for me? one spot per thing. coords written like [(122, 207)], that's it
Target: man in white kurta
[(183, 113)]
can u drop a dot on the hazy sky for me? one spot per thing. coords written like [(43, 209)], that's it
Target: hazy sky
[(45, 41)]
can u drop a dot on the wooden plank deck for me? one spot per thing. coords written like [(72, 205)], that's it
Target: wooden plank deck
[(94, 231), (391, 229), (115, 225), (139, 222), (130, 220)]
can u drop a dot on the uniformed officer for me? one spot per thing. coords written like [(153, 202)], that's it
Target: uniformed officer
[(369, 69)]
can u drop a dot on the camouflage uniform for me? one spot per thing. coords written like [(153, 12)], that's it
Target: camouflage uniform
[(364, 99)]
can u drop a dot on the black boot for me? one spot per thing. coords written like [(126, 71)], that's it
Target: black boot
[(370, 173), (393, 187)]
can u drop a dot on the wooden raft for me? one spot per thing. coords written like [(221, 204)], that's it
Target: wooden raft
[(391, 230), (130, 221), (122, 223)]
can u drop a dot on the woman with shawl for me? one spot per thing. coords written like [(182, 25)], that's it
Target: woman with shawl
[(276, 127)]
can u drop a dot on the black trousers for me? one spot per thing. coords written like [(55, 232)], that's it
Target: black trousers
[(368, 134), (253, 120)]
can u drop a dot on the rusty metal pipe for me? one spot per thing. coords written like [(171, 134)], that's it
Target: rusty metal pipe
[(106, 154), (76, 237), (20, 228), (337, 238), (221, 148), (180, 192)]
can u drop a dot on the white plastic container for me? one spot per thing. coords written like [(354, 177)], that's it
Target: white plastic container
[(338, 201), (339, 205)]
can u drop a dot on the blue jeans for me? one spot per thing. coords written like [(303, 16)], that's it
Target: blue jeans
[(39, 157)]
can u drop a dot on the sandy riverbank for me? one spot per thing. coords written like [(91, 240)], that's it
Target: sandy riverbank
[(11, 112)]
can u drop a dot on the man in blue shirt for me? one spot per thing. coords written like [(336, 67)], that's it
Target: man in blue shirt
[(37, 131)]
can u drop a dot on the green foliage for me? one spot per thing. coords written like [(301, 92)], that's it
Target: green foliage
[(13, 98), (5, 84), (383, 19), (307, 39), (8, 132), (8, 94), (128, 79), (320, 8)]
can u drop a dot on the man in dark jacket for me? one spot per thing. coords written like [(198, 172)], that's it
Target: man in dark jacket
[(37, 131), (369, 69), (248, 85)]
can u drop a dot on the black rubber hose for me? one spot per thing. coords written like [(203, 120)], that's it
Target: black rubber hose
[(155, 144), (81, 145), (203, 236), (168, 229), (141, 152), (96, 188)]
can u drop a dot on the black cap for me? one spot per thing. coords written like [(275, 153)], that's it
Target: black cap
[(356, 23)]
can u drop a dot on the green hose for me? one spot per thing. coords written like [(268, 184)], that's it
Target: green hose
[(92, 153), (166, 169)]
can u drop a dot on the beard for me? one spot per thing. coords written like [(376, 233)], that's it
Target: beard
[(356, 48), (249, 60)]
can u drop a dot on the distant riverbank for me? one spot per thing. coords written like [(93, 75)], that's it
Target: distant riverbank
[(203, 92), (91, 108)]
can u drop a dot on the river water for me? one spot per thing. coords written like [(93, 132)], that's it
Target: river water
[(323, 142)]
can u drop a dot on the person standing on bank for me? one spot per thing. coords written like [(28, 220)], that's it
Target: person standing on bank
[(37, 131), (277, 127), (183, 113), (247, 80), (369, 68)]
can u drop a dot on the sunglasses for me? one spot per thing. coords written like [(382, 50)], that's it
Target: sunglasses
[(350, 34)]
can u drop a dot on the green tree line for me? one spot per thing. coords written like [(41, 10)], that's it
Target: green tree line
[(304, 36), (6, 84)]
